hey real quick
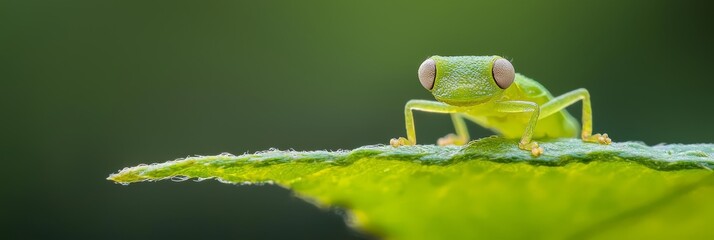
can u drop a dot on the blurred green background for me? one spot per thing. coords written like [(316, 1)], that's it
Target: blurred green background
[(90, 87)]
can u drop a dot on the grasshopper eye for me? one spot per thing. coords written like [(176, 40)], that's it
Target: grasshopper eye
[(427, 73), (503, 73)]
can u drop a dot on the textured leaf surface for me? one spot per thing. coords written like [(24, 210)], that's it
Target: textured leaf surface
[(488, 188)]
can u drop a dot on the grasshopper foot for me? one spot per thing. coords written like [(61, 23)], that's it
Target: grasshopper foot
[(396, 142), (451, 139), (532, 147), (598, 138)]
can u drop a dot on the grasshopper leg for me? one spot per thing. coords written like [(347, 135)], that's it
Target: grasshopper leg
[(524, 107), (428, 106), (462, 133), (567, 99)]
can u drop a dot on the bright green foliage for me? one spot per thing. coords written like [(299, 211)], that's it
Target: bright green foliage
[(489, 189)]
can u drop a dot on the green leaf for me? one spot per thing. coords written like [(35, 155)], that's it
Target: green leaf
[(487, 189)]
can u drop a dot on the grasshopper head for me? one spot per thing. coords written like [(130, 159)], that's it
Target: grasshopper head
[(466, 80)]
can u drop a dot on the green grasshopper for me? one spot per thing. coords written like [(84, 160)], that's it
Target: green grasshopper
[(487, 91)]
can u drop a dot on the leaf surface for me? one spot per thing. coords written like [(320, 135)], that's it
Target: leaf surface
[(487, 189)]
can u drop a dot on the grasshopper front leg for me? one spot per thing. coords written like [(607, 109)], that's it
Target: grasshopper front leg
[(524, 107), (462, 133), (435, 107), (562, 101)]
